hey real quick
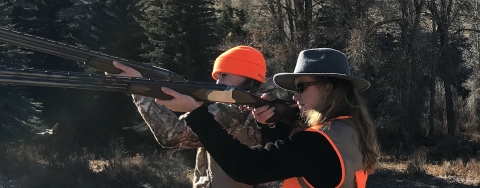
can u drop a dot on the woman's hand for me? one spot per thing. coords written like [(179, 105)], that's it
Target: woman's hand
[(127, 71), (180, 102), (262, 114)]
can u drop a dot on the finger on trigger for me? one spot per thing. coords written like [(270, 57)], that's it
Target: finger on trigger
[(272, 109), (268, 116), (267, 112), (265, 96), (263, 108)]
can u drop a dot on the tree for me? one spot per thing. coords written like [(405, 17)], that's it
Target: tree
[(115, 28), (231, 22), (18, 114), (444, 13), (413, 74), (182, 36), (473, 62)]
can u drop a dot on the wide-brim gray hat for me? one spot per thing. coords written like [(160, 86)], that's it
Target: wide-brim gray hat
[(320, 62)]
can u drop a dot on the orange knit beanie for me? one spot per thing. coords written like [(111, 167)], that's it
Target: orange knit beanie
[(241, 60)]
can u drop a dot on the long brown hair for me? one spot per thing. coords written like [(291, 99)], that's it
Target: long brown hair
[(343, 100)]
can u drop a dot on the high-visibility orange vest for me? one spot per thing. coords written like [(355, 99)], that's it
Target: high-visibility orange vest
[(344, 139)]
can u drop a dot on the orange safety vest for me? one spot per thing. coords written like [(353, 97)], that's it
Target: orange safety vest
[(342, 133)]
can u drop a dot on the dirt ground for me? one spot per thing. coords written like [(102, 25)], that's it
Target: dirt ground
[(388, 175), (393, 175)]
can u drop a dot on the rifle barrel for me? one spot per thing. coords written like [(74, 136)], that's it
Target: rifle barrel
[(91, 58), (200, 91), (142, 86), (63, 80)]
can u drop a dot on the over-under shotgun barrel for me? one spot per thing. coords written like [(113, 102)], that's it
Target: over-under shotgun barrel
[(200, 91), (91, 58)]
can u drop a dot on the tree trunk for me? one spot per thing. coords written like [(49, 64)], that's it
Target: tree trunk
[(442, 16), (300, 20), (307, 22), (433, 83), (451, 125), (433, 91), (275, 8), (409, 27), (290, 16)]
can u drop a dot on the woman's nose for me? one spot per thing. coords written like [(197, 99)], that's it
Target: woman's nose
[(296, 97)]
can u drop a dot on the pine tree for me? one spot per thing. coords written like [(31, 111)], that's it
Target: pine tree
[(48, 19), (182, 36), (18, 114), (52, 19), (115, 29), (231, 22)]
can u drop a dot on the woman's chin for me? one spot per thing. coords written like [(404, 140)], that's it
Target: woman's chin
[(302, 113)]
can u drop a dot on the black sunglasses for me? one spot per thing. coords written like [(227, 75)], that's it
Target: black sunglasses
[(300, 87)]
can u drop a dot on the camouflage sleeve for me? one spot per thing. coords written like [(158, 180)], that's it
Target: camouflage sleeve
[(170, 130), (241, 125)]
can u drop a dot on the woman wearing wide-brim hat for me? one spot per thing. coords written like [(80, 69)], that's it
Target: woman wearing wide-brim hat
[(336, 148)]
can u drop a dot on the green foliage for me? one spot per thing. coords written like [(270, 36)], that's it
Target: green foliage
[(231, 22), (49, 19), (18, 117), (6, 8), (115, 28), (100, 115), (18, 114), (182, 36)]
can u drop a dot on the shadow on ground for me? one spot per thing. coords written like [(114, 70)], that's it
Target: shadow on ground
[(390, 178)]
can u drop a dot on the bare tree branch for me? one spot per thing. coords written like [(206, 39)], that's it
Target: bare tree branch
[(385, 22), (467, 29)]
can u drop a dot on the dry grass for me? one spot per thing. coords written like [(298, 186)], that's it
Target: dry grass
[(445, 164), (98, 165), (452, 172), (443, 161), (25, 164), (467, 171)]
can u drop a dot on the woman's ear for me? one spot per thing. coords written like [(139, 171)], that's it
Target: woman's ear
[(328, 87)]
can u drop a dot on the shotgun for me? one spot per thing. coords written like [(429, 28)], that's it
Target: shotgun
[(93, 59), (285, 111)]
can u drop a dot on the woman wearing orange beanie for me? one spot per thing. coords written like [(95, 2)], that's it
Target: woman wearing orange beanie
[(243, 61), (241, 66)]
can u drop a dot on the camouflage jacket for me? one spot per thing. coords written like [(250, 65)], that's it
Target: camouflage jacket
[(171, 131)]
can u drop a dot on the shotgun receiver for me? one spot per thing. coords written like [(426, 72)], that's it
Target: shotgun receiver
[(93, 59), (286, 111)]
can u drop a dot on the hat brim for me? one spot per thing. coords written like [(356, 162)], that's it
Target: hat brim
[(287, 80)]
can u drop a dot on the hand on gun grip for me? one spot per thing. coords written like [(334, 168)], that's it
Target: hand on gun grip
[(262, 114), (126, 71)]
